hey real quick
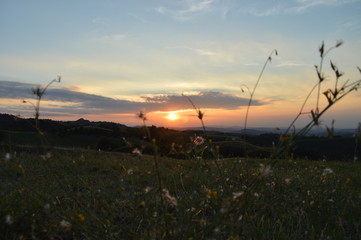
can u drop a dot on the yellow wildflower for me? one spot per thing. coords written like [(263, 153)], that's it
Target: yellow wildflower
[(142, 203), (212, 194), (81, 217)]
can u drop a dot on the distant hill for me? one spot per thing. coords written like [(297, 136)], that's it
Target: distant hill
[(110, 136), (320, 131)]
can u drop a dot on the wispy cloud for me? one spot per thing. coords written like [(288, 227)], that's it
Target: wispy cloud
[(112, 38), (302, 5), (291, 64), (289, 7), (69, 101), (188, 10), (264, 12), (200, 51)]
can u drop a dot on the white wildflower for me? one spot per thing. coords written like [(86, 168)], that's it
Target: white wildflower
[(65, 224), (137, 152), (288, 181), (9, 219), (170, 199), (147, 189), (265, 170), (327, 171), (237, 194), (199, 140)]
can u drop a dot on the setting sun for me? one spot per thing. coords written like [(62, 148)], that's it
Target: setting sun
[(172, 116)]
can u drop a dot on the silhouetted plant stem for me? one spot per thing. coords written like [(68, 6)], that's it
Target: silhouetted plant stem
[(142, 116), (332, 96), (200, 114), (251, 93), (39, 92)]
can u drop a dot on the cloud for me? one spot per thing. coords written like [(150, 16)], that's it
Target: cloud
[(68, 101), (199, 51), (214, 100), (303, 5), (291, 64), (112, 38), (189, 9), (264, 12), (260, 9)]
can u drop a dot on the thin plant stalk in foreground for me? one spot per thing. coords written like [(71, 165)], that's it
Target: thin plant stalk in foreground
[(200, 114), (141, 115), (39, 92), (332, 96), (251, 94)]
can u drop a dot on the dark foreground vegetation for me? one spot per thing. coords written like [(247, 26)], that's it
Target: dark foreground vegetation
[(85, 194), (99, 180)]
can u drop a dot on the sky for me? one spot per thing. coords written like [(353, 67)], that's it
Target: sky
[(117, 58)]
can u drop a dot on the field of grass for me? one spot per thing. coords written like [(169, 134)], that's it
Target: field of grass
[(97, 195)]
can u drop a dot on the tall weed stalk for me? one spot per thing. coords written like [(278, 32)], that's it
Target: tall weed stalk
[(200, 114), (39, 93), (332, 95), (251, 94), (142, 116)]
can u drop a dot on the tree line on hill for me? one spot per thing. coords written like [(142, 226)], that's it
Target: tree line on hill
[(109, 136)]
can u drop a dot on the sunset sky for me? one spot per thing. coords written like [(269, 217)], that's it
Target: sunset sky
[(119, 57)]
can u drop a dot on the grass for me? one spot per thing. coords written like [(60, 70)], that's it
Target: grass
[(91, 195)]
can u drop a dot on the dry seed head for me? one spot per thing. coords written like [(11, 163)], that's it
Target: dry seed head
[(37, 91), (339, 43), (142, 116), (321, 49), (200, 114)]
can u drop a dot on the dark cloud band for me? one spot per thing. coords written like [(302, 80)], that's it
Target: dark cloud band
[(83, 103)]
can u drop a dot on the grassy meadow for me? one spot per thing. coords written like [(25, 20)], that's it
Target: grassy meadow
[(84, 194)]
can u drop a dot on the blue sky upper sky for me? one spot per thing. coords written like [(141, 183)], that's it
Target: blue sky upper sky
[(118, 57)]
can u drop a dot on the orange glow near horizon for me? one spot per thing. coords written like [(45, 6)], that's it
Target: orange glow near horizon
[(172, 116)]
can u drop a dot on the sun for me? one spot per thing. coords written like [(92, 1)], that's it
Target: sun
[(172, 116)]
